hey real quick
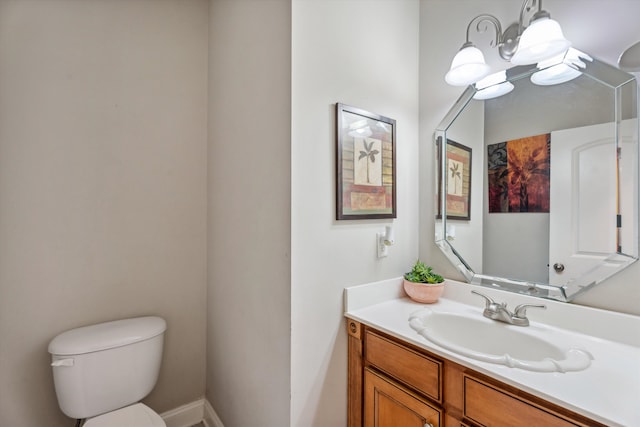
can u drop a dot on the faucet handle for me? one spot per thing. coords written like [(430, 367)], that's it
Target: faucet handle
[(521, 310), (488, 300)]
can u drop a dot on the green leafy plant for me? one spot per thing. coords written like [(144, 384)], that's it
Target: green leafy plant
[(421, 273)]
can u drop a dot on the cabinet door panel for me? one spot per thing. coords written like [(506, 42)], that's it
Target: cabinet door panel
[(490, 406), (389, 405)]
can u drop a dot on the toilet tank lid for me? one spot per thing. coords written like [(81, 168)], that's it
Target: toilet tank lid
[(107, 335)]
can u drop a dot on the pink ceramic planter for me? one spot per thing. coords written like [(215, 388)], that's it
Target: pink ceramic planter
[(423, 292)]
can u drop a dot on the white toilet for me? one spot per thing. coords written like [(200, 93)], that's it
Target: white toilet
[(101, 371)]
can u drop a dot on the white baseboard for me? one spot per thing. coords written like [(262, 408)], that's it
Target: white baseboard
[(211, 419), (191, 414)]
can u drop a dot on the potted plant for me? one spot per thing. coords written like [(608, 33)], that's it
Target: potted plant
[(422, 284)]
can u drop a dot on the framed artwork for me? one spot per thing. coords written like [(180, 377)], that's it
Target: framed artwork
[(365, 164), (518, 174), (458, 175)]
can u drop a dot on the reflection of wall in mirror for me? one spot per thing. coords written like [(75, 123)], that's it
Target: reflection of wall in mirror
[(468, 130), (516, 245)]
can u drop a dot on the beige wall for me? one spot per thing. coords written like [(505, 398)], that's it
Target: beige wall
[(102, 186), (248, 336)]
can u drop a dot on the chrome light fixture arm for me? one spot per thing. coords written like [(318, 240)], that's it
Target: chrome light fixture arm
[(526, 8), (507, 41), (485, 18)]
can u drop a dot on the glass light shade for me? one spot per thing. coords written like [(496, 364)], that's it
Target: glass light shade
[(561, 68), (541, 40), (467, 67), (554, 75), (577, 58), (630, 59), (494, 91), (550, 62), (493, 86), (492, 79)]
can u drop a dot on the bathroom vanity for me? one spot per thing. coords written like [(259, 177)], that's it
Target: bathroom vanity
[(398, 377)]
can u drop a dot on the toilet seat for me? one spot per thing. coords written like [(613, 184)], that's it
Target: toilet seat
[(138, 415)]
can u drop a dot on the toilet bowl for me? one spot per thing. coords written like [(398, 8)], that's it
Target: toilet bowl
[(137, 415), (102, 371)]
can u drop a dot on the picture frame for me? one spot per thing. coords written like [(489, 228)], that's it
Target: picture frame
[(518, 175), (458, 200), (365, 164)]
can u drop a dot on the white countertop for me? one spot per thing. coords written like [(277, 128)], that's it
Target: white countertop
[(608, 391)]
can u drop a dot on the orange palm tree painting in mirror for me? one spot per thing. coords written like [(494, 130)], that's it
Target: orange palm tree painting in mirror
[(518, 173)]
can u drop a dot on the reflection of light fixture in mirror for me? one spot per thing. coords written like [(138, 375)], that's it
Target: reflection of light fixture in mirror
[(360, 129), (561, 68), (541, 40), (630, 59), (493, 86), (385, 127), (385, 240)]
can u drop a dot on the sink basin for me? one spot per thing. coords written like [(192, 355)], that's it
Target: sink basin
[(496, 342)]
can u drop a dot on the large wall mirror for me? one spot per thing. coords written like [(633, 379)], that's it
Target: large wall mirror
[(538, 188)]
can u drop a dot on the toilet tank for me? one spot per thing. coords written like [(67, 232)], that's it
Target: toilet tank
[(103, 367)]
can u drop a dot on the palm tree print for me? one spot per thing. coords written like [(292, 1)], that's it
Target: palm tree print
[(370, 154), (456, 176)]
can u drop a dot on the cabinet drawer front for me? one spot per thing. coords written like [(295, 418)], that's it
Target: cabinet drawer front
[(488, 405), (412, 368), (388, 404)]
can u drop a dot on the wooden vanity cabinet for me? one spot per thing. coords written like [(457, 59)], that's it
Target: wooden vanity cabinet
[(393, 383), (387, 403)]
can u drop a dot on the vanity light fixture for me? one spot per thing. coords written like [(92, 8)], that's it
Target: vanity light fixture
[(561, 68), (630, 59), (384, 240), (520, 45), (493, 86)]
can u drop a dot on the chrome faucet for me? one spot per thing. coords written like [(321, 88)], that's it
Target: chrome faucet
[(500, 312)]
